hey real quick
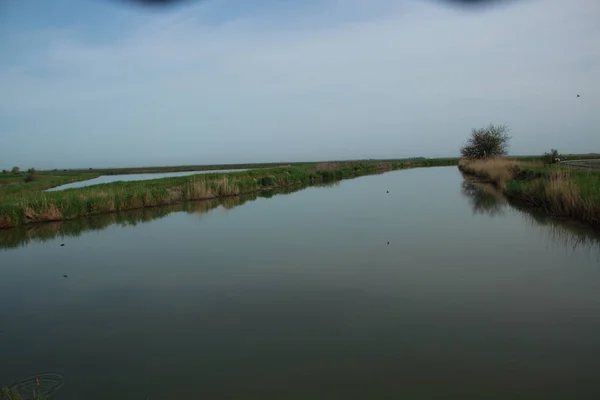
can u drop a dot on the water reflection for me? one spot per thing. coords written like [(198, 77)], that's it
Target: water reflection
[(484, 198), (302, 296), (21, 236), (568, 234), (328, 184), (487, 200)]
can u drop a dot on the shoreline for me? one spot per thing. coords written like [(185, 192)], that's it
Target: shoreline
[(556, 191), (37, 207)]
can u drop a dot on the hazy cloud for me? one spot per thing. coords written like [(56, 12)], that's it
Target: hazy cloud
[(213, 83)]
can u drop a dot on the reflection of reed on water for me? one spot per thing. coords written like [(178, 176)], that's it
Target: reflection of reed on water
[(485, 199), (327, 184), (21, 236), (568, 234)]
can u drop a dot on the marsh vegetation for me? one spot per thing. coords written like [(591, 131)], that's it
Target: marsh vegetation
[(26, 203), (543, 182)]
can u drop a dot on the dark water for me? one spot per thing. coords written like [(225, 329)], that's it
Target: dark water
[(299, 296), (136, 177)]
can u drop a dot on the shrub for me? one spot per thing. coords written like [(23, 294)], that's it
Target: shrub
[(487, 143), (551, 158), (29, 178), (267, 181)]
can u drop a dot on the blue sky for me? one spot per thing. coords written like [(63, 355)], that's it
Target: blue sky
[(100, 83)]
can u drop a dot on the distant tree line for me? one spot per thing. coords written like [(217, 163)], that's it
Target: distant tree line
[(30, 177)]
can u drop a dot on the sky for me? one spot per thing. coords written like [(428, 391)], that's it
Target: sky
[(103, 83)]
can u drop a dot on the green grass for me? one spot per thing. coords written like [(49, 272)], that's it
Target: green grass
[(557, 190), (27, 203), (15, 184)]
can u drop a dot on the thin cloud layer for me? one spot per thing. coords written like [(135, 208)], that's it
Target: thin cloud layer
[(212, 83)]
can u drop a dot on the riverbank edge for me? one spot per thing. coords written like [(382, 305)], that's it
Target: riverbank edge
[(124, 196), (510, 189)]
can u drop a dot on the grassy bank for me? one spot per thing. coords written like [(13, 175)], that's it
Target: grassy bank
[(557, 190), (22, 235), (30, 204)]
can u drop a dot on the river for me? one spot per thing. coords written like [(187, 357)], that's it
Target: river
[(437, 289)]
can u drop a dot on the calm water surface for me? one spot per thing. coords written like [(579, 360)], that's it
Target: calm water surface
[(300, 296), (136, 177)]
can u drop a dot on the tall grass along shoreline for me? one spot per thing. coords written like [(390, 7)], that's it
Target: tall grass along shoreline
[(557, 190), (20, 206)]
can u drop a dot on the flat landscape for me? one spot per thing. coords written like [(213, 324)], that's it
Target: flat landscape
[(436, 236), (23, 199)]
